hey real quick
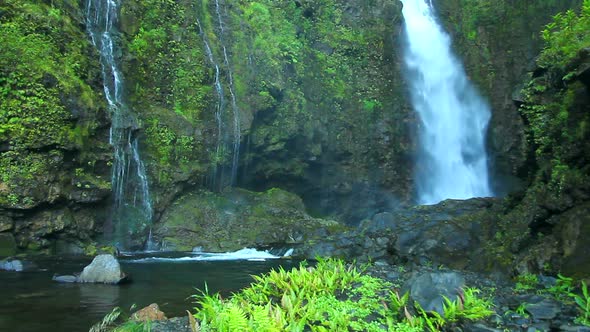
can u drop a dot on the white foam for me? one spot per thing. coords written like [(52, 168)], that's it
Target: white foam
[(242, 254)]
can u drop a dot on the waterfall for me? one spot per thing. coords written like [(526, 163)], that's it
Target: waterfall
[(452, 162), (234, 104), (132, 208), (226, 141), (218, 107)]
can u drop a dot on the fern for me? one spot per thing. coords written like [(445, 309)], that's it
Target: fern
[(261, 321)]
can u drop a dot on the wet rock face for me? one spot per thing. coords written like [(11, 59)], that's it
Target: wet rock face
[(428, 289), (453, 233)]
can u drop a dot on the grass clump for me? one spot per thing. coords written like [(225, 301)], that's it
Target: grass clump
[(116, 321), (332, 296)]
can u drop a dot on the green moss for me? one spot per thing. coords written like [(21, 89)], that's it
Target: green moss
[(47, 102), (169, 86), (42, 62), (173, 153)]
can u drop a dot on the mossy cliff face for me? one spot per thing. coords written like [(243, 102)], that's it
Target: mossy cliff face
[(321, 83), (498, 40), (54, 152), (546, 226), (316, 85), (169, 88)]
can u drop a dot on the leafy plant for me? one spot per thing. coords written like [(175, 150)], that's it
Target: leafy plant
[(583, 302), (521, 310), (107, 322), (563, 288), (332, 296), (565, 36), (526, 282)]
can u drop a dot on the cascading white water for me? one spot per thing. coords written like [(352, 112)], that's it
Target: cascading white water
[(454, 118), (236, 112), (228, 125), (220, 104), (132, 205)]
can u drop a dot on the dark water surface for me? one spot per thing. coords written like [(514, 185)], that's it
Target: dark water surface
[(32, 302)]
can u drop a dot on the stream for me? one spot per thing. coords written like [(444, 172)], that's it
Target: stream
[(32, 302)]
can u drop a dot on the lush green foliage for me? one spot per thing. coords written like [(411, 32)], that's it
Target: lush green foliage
[(566, 36), (583, 302), (331, 296), (45, 72), (554, 128), (169, 86), (563, 288)]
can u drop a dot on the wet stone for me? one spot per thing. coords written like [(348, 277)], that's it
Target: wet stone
[(544, 310)]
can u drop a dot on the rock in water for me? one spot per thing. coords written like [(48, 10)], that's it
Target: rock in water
[(103, 269), (11, 265)]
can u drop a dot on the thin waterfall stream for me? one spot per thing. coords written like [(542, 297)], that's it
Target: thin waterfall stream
[(228, 121), (234, 104), (452, 162), (218, 107), (132, 207)]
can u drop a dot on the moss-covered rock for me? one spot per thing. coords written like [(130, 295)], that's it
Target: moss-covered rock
[(309, 96), (238, 218)]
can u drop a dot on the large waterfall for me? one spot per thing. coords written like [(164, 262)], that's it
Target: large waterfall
[(452, 161), (132, 208)]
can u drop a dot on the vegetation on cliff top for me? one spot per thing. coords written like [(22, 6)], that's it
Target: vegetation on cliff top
[(565, 37)]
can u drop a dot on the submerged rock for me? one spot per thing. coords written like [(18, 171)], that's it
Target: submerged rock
[(103, 269), (65, 278)]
